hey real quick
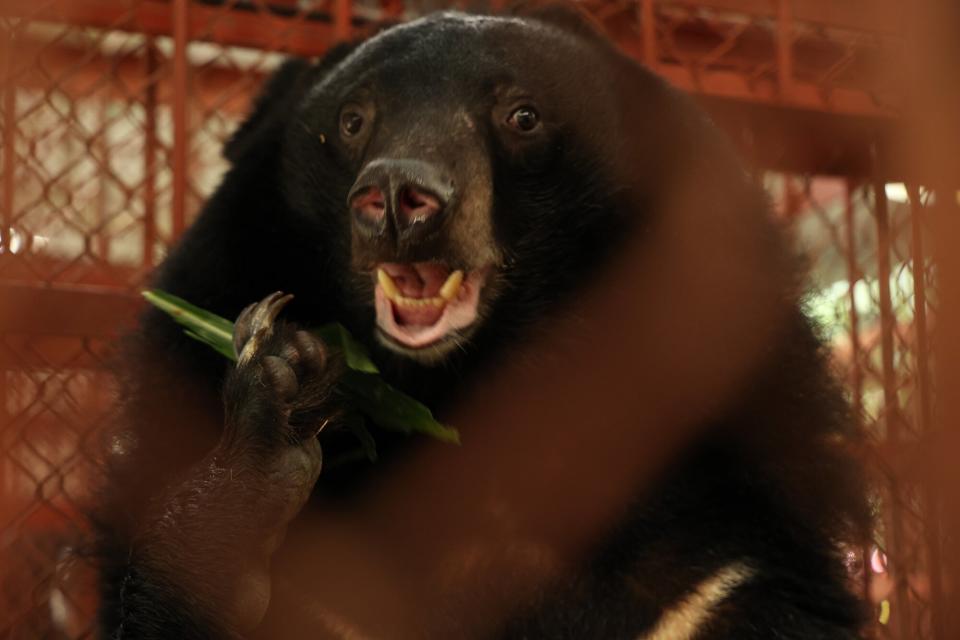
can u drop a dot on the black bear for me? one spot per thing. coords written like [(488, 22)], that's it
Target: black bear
[(449, 189)]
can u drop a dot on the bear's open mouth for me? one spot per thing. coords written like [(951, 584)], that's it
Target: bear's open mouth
[(419, 304)]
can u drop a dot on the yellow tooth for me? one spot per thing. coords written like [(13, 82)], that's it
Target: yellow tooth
[(450, 288), (386, 282), (404, 301)]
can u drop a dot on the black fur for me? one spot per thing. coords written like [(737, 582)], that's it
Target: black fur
[(180, 538)]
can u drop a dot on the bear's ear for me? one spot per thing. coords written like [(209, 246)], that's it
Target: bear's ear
[(278, 96), (567, 15)]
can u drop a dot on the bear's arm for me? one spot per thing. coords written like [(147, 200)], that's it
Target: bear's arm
[(185, 525), (170, 419), (200, 497)]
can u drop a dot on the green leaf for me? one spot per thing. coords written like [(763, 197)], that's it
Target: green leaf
[(354, 354), (388, 407), (201, 325), (392, 409), (216, 343)]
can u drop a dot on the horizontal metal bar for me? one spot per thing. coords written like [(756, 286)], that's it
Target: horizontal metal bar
[(87, 311), (261, 30), (883, 16), (310, 37)]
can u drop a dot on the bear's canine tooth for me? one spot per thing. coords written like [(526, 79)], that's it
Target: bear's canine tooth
[(447, 291), (386, 282), (452, 285)]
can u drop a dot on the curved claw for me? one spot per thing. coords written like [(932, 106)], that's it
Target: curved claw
[(241, 328), (255, 324)]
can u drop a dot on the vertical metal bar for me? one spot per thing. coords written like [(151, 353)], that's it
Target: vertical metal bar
[(945, 210), (648, 29), (886, 312), (101, 238), (785, 47), (9, 89), (897, 542), (925, 424), (853, 277), (9, 137), (179, 100), (343, 15), (882, 218), (150, 154)]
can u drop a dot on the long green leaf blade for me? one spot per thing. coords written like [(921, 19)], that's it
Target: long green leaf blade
[(201, 325), (386, 406), (392, 409), (354, 354)]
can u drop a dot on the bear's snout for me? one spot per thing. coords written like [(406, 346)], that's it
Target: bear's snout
[(403, 197)]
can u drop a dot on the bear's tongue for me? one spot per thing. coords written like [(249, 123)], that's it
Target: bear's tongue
[(422, 316)]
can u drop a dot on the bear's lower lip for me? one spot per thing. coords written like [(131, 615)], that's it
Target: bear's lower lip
[(420, 304)]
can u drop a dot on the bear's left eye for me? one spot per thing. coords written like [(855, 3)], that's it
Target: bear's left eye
[(351, 122), (524, 119)]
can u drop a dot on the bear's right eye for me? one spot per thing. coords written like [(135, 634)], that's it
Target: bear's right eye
[(351, 122), (524, 119)]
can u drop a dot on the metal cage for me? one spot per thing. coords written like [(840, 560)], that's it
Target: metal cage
[(112, 115)]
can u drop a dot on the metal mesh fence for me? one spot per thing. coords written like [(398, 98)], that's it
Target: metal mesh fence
[(875, 297), (112, 115)]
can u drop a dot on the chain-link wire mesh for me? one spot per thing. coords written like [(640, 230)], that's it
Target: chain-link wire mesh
[(874, 295), (113, 113)]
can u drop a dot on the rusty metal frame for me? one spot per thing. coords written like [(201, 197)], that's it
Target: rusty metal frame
[(151, 65), (782, 106), (924, 419), (181, 142), (9, 93), (854, 276), (783, 119), (894, 509), (313, 36)]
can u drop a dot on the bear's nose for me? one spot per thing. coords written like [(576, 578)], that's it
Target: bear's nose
[(415, 205), (408, 195)]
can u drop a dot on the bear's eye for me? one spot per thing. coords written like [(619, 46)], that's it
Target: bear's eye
[(351, 122), (524, 119)]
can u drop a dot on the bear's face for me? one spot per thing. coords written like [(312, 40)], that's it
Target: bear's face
[(462, 159)]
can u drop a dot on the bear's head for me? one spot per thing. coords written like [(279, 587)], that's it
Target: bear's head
[(470, 171)]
